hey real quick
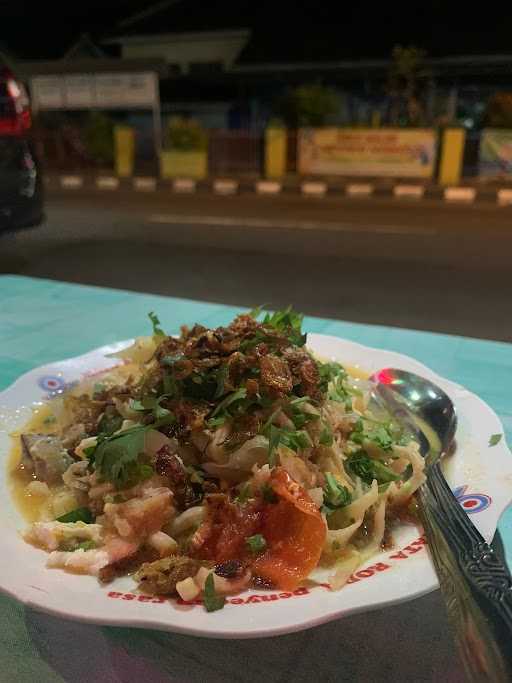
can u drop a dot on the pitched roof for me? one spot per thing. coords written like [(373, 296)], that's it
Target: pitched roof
[(83, 48)]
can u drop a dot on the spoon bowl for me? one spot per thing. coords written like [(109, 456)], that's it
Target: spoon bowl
[(419, 405)]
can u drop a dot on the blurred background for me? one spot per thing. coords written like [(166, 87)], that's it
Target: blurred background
[(353, 160)]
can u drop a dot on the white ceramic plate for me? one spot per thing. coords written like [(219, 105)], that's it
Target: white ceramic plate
[(480, 475)]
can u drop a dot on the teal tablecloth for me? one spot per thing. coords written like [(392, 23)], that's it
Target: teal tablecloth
[(43, 321)]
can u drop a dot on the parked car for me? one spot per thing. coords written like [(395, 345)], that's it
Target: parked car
[(21, 186)]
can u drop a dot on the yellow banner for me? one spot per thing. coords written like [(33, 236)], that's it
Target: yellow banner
[(367, 152)]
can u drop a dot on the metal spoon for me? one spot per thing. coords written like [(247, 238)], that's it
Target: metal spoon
[(476, 584)]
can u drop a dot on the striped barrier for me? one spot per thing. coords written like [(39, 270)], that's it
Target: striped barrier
[(504, 197), (144, 184), (107, 183), (225, 186), (184, 185), (71, 182), (313, 189), (308, 188), (409, 191), (460, 194), (359, 189), (268, 187)]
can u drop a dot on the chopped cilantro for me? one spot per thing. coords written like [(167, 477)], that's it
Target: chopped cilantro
[(86, 545), (330, 371), (368, 469), (170, 360), (337, 391), (216, 421), (256, 311), (229, 400), (277, 436), (162, 416), (274, 439), (326, 437), (157, 330), (212, 601), (118, 458), (98, 388), (335, 495), (200, 385), (78, 515), (299, 400), (91, 450), (244, 494), (358, 431), (110, 422), (298, 416), (221, 376), (295, 440), (170, 385), (288, 323), (268, 493), (404, 439), (256, 544), (495, 439), (380, 435), (145, 472)]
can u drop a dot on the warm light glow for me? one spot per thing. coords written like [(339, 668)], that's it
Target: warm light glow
[(385, 377), (13, 88)]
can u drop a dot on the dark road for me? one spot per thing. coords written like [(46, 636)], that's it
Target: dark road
[(424, 265)]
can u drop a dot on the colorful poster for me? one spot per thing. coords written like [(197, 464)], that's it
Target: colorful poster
[(495, 152), (367, 152)]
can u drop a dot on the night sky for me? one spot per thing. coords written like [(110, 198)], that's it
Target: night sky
[(283, 30)]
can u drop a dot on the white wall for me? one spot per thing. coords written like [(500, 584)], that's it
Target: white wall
[(185, 48)]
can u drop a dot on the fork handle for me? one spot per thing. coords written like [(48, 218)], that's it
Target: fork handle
[(476, 584)]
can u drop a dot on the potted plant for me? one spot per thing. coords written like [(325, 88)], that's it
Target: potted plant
[(186, 155)]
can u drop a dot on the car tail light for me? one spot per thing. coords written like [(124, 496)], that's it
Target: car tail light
[(15, 116)]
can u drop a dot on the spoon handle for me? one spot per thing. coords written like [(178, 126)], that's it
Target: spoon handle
[(475, 583)]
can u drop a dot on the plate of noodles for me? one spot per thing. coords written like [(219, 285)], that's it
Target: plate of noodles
[(231, 482)]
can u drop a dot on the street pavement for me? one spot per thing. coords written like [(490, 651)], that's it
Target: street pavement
[(424, 265)]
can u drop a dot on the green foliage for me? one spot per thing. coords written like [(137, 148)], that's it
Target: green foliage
[(286, 322), (110, 422), (335, 495), (186, 135), (99, 137), (494, 439), (155, 322), (119, 458), (256, 544), (379, 433), (368, 469), (78, 515), (309, 105), (212, 601), (407, 81)]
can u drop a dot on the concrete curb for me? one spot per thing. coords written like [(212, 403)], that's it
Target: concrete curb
[(402, 192)]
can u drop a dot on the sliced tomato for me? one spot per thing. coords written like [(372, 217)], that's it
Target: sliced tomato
[(294, 531), (225, 530)]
